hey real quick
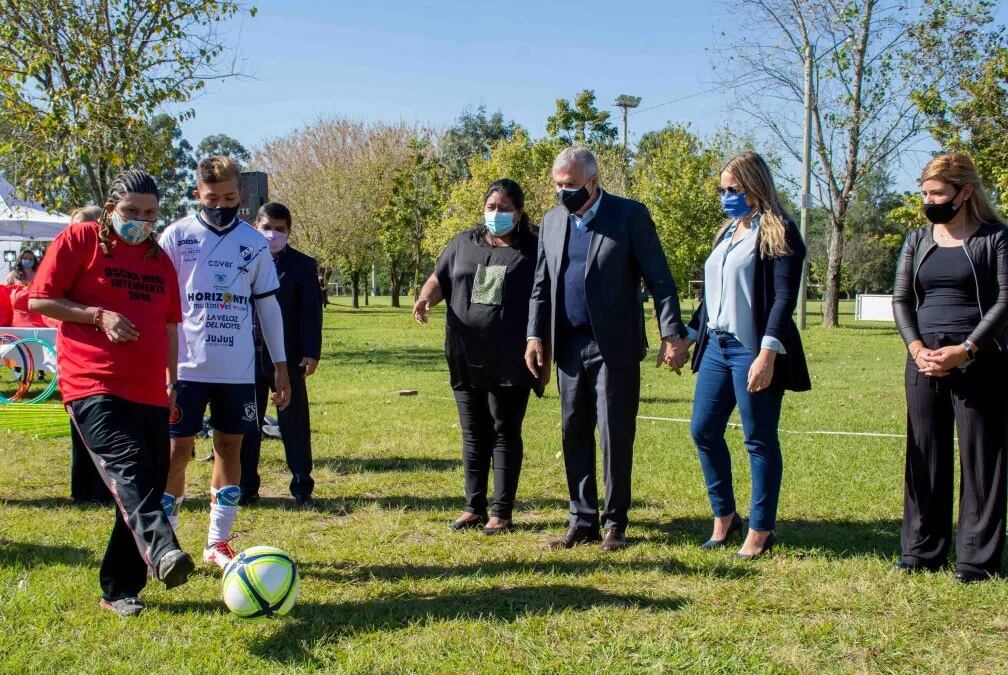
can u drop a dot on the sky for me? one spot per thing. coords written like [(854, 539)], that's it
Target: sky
[(425, 62)]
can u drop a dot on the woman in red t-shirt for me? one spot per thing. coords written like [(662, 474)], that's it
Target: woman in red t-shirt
[(116, 296)]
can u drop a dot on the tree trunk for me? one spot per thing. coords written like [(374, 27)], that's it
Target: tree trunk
[(326, 275), (416, 270), (367, 290), (355, 283), (393, 272), (831, 296)]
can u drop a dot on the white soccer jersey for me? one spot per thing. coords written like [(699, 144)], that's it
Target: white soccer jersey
[(220, 273)]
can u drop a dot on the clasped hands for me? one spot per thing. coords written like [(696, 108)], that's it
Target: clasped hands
[(673, 353), (939, 362)]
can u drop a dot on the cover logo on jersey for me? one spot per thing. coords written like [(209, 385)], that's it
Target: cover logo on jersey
[(246, 253)]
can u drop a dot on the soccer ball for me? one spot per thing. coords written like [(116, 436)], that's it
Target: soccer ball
[(261, 582)]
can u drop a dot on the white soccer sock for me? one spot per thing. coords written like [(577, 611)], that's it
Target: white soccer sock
[(221, 523)]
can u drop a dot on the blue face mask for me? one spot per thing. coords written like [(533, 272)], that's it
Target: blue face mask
[(499, 222), (734, 205), (28, 264)]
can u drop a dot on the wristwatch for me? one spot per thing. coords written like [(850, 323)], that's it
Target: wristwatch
[(970, 352)]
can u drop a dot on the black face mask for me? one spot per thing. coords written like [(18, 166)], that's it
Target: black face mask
[(572, 199), (220, 216), (944, 212)]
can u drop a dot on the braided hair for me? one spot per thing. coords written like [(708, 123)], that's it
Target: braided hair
[(135, 182)]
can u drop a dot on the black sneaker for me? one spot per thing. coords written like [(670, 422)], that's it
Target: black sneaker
[(174, 568), (304, 504), (247, 499), (124, 607)]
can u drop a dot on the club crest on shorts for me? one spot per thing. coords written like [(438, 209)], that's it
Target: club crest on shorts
[(246, 253), (176, 415), (250, 412)]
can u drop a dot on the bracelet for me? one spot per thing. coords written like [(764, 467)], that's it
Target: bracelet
[(99, 313)]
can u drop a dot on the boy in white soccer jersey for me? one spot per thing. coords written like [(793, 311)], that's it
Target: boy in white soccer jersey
[(224, 266)]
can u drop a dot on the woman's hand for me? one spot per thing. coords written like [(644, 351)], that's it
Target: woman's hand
[(941, 360), (761, 371), (421, 309), (117, 327)]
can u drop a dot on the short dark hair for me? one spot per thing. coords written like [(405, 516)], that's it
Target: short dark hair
[(275, 210)]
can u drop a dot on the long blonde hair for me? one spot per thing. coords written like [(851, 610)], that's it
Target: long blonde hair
[(753, 175), (958, 169)]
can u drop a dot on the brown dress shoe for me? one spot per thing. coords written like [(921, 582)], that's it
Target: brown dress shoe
[(575, 536), (615, 540)]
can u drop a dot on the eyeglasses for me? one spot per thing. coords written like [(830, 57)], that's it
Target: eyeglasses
[(730, 191)]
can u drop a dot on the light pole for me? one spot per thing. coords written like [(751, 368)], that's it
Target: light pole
[(626, 102)]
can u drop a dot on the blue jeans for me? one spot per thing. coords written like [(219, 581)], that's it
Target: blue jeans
[(721, 384)]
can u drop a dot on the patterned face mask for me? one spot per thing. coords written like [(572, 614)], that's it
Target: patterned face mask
[(132, 231)]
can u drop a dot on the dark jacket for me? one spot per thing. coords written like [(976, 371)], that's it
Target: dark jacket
[(775, 294), (987, 251), (624, 250), (300, 301)]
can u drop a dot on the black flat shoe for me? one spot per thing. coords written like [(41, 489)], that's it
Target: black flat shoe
[(736, 526), (500, 529), (907, 567), (469, 524), (971, 576), (766, 550)]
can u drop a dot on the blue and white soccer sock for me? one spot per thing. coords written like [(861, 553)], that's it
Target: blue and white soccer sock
[(171, 505), (223, 513)]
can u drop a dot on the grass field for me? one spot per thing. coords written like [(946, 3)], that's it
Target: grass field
[(389, 588)]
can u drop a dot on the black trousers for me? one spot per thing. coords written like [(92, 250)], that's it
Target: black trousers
[(591, 393), (129, 445), (491, 422), (295, 430), (972, 402), (86, 484)]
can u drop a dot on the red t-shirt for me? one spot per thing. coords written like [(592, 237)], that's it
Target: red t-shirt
[(142, 289), (23, 318)]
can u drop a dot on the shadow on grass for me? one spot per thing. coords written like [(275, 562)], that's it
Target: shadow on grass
[(314, 623), (410, 358), (347, 505), (351, 465), (832, 538), (33, 555)]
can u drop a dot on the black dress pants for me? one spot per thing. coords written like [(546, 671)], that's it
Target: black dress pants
[(295, 431), (130, 447), (592, 392), (972, 403), (491, 422), (86, 484)]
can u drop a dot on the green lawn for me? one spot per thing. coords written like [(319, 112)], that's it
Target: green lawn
[(388, 587)]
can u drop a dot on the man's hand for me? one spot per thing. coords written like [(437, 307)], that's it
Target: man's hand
[(534, 357), (421, 309), (673, 353), (172, 395), (309, 365), (281, 383)]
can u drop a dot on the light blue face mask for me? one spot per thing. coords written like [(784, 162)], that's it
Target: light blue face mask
[(132, 231), (734, 205), (499, 222)]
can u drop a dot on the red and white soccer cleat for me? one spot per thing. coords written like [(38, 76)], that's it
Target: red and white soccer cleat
[(219, 554)]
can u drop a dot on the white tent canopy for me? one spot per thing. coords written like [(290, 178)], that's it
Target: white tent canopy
[(25, 220)]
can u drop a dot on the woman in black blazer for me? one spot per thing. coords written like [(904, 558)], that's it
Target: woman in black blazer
[(748, 351), (950, 302)]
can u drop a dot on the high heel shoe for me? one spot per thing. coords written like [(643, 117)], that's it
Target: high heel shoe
[(736, 526), (766, 550)]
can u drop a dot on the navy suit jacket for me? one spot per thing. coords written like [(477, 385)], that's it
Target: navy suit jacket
[(300, 299), (624, 251)]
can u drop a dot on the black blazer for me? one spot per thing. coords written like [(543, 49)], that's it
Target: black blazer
[(624, 250), (300, 299), (987, 250), (775, 295)]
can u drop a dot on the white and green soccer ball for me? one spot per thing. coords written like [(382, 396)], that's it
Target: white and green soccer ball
[(261, 582)]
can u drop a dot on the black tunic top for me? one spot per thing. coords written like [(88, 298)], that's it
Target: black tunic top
[(487, 290), (949, 303)]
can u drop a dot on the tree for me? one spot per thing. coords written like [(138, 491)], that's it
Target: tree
[(416, 202), (676, 176), (222, 144), (581, 123), (872, 59), (174, 155), (79, 79), (472, 135), (974, 119)]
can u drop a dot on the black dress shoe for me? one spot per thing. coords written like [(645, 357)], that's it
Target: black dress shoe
[(469, 524), (736, 526), (614, 540), (577, 535), (766, 550), (303, 503), (908, 567), (500, 529), (971, 576)]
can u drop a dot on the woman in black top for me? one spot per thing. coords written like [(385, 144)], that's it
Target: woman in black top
[(485, 275), (950, 302)]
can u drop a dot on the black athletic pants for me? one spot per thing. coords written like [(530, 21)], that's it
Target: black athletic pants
[(129, 444), (295, 431), (86, 485), (491, 421), (972, 402)]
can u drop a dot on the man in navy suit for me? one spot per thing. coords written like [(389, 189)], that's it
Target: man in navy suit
[(595, 249), (300, 301)]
